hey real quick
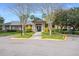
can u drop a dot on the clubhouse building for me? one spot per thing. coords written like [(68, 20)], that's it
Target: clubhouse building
[(37, 25)]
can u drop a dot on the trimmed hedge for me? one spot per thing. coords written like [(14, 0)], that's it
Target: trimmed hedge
[(29, 28), (46, 29)]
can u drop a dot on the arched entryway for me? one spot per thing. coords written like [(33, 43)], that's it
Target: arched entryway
[(38, 27)]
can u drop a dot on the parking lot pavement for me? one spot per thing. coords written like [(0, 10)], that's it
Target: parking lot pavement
[(9, 47)]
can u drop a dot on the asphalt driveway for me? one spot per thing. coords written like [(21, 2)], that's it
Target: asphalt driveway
[(12, 47)]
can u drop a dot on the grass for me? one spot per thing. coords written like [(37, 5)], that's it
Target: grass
[(56, 36), (7, 33), (17, 34), (27, 35)]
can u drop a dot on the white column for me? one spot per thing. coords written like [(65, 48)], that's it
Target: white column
[(3, 27), (10, 27), (43, 27), (33, 27)]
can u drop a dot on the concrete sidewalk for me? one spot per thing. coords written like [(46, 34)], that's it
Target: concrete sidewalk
[(37, 36)]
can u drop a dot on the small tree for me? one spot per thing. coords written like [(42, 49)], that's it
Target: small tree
[(73, 15), (49, 10), (22, 12), (61, 18), (69, 17)]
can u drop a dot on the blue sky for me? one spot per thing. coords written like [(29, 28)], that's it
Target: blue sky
[(8, 16)]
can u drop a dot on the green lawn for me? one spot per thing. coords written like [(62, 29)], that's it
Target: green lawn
[(17, 34), (7, 33), (57, 36), (27, 35)]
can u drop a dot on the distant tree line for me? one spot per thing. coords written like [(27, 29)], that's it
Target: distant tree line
[(65, 18), (70, 17), (1, 22)]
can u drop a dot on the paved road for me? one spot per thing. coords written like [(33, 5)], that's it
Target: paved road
[(10, 47), (73, 37)]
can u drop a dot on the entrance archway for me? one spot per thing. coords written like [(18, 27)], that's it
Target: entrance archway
[(38, 27)]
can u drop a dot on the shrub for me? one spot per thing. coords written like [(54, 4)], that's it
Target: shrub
[(64, 32), (56, 30), (29, 28), (76, 32), (46, 29), (11, 30)]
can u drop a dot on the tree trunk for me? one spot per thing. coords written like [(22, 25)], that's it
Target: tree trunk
[(50, 29), (50, 32), (23, 21), (61, 27), (23, 30)]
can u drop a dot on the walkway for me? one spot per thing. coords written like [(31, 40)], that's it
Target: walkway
[(37, 36)]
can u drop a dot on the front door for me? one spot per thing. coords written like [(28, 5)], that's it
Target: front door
[(38, 28)]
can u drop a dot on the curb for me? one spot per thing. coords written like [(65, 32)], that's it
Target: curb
[(19, 38), (52, 39)]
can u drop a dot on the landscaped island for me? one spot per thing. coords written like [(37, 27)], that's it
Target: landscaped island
[(27, 35), (54, 36)]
